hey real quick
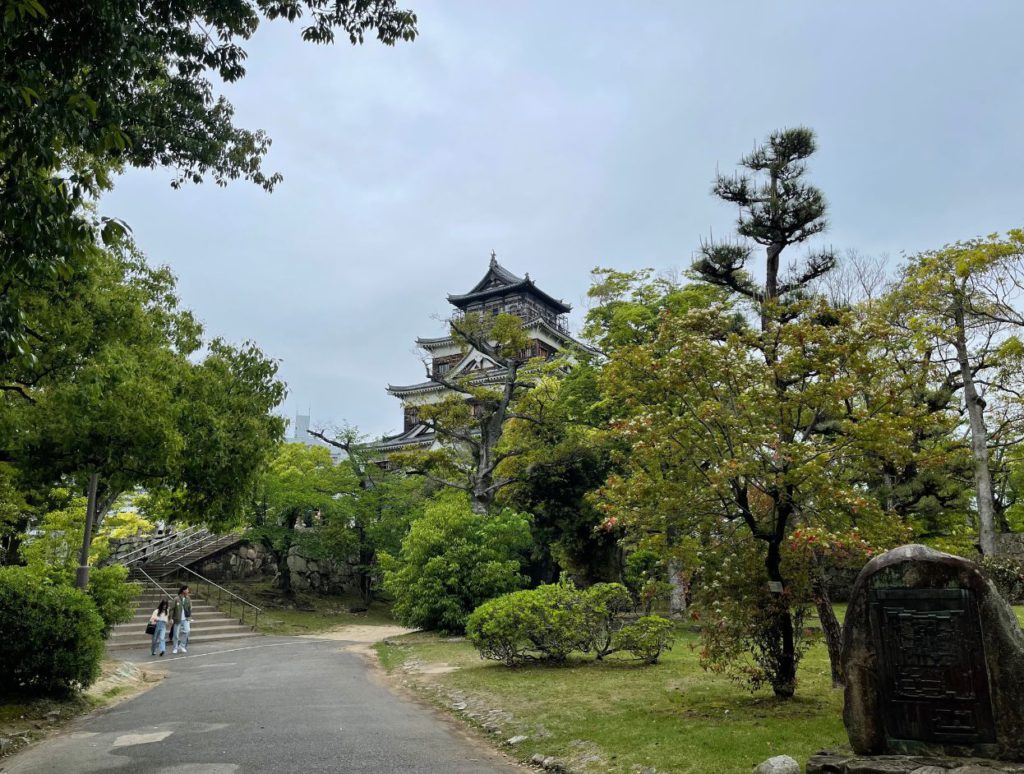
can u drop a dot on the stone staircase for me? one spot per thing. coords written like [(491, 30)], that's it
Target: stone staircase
[(208, 623)]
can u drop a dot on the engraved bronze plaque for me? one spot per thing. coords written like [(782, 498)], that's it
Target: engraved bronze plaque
[(932, 666)]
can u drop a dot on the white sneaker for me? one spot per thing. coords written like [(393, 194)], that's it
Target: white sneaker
[(174, 651), (183, 650)]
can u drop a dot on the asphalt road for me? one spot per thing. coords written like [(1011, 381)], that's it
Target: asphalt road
[(270, 704)]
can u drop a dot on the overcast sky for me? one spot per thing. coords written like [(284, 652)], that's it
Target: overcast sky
[(568, 135)]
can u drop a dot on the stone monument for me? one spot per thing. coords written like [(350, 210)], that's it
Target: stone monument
[(934, 664)]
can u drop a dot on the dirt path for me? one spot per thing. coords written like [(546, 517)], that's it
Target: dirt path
[(360, 633)]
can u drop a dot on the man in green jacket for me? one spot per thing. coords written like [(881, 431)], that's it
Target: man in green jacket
[(181, 615)]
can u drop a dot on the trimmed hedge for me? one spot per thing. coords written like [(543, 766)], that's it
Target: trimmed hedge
[(550, 622), (51, 636)]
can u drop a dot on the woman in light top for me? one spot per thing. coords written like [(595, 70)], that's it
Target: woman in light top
[(159, 620)]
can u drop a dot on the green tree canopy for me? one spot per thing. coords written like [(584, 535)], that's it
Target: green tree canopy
[(89, 87)]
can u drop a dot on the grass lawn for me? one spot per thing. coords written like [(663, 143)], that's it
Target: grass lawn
[(305, 613), (617, 716)]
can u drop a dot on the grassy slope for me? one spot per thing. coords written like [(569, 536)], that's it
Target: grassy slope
[(673, 716)]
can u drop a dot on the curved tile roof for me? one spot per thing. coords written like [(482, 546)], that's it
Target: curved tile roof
[(499, 281)]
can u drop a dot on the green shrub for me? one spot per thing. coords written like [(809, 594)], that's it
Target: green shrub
[(113, 595), (556, 621), (646, 638), (453, 560), (604, 605), (498, 628), (1007, 573), (550, 622), (52, 635)]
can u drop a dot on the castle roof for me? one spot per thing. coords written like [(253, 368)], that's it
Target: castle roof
[(499, 281)]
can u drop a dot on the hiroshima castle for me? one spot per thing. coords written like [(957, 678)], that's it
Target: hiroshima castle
[(499, 291)]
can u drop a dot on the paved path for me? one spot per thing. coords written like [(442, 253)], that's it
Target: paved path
[(273, 704)]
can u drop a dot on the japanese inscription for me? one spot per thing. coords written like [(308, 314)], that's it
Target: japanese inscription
[(932, 662)]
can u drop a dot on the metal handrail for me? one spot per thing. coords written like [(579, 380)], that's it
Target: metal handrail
[(154, 582), (186, 536), (196, 541), (222, 590), (209, 539), (127, 558)]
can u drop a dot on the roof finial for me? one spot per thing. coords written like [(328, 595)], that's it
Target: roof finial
[(494, 257)]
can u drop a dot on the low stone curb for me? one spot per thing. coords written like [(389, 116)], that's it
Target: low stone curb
[(846, 763)]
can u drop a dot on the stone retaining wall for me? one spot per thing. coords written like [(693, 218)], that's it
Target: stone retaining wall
[(1011, 544), (252, 560), (240, 562), (120, 549)]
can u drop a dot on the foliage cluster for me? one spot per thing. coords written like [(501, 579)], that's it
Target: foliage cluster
[(552, 621), (52, 635), (87, 89), (1007, 573), (452, 560), (122, 394), (50, 553)]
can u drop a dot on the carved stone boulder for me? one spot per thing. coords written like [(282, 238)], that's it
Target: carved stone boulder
[(934, 660)]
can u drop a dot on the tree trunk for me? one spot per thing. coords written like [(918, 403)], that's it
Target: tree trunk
[(479, 503), (82, 577), (830, 627), (366, 561), (284, 573), (677, 597), (979, 442), (784, 680)]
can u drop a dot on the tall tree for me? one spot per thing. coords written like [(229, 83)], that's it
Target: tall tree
[(379, 515), (470, 422), (298, 496), (628, 312), (778, 209), (565, 455), (748, 429), (967, 320), (125, 403)]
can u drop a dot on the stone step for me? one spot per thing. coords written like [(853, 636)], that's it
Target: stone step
[(129, 631), (197, 615), (156, 597), (149, 607), (144, 641)]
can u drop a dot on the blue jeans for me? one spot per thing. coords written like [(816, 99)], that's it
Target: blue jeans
[(159, 638), (181, 631)]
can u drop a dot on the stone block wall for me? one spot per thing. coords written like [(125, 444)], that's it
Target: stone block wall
[(243, 561), (251, 560), (120, 549), (321, 575), (1011, 544)]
